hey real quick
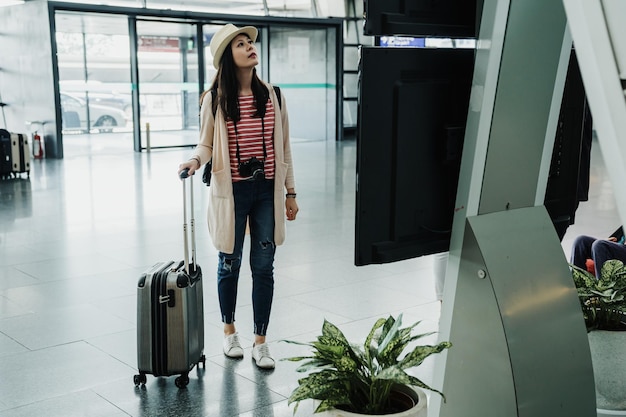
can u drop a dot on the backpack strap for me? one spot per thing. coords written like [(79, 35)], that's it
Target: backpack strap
[(280, 99)]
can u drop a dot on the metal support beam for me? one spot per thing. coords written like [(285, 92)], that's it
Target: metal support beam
[(510, 308), (598, 52), (597, 27)]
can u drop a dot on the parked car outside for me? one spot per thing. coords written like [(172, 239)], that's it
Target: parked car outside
[(123, 102), (101, 117), (100, 93)]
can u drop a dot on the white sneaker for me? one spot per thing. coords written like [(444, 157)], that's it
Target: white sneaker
[(232, 347), (262, 357)]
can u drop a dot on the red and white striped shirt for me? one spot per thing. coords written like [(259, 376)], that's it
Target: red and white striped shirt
[(249, 135)]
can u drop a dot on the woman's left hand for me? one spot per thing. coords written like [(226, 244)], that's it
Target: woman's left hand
[(291, 208)]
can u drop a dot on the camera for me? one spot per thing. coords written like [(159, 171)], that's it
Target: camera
[(252, 168)]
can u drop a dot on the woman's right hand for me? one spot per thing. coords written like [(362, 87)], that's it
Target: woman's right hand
[(192, 165)]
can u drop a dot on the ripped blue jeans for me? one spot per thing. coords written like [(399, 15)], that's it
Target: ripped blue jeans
[(254, 201)]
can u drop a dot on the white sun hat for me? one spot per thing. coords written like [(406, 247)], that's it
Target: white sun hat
[(224, 36)]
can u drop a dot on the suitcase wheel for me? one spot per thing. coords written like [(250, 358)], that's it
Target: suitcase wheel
[(182, 381), (139, 379), (203, 361)]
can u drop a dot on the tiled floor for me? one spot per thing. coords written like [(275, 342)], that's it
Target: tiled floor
[(76, 235)]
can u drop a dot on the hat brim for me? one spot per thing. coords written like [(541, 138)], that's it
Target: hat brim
[(252, 33)]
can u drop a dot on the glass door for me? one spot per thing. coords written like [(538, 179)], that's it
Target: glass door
[(93, 56), (167, 58)]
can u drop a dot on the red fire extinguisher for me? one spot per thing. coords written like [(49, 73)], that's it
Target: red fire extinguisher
[(37, 146)]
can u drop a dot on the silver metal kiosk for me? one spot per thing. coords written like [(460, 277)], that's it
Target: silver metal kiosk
[(510, 307)]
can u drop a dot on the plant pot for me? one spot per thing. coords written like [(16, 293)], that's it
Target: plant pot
[(608, 357), (413, 394)]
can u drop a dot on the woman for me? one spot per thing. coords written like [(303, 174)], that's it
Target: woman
[(247, 140)]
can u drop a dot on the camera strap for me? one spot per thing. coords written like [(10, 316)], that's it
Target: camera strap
[(262, 136)]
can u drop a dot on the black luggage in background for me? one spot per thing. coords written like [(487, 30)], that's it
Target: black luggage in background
[(170, 314), (14, 154), (6, 166)]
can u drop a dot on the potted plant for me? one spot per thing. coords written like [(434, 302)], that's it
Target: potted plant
[(367, 380), (603, 302), (603, 299)]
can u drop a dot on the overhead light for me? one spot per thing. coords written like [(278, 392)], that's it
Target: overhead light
[(10, 2)]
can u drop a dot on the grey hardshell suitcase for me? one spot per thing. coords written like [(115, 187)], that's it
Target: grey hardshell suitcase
[(170, 314)]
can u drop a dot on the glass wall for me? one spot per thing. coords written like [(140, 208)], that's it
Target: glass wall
[(302, 62), (99, 82), (94, 73), (167, 60)]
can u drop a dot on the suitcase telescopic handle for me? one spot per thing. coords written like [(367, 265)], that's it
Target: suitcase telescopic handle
[(183, 175)]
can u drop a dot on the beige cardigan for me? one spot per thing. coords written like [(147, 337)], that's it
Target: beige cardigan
[(214, 145)]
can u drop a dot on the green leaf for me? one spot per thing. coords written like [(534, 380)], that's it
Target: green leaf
[(389, 323), (369, 351), (328, 348), (319, 385), (346, 364), (419, 336), (418, 383), (297, 358), (313, 364), (394, 374), (293, 342), (583, 279), (611, 269), (417, 355), (390, 333), (332, 332)]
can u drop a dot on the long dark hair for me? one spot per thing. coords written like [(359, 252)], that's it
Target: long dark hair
[(227, 87)]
